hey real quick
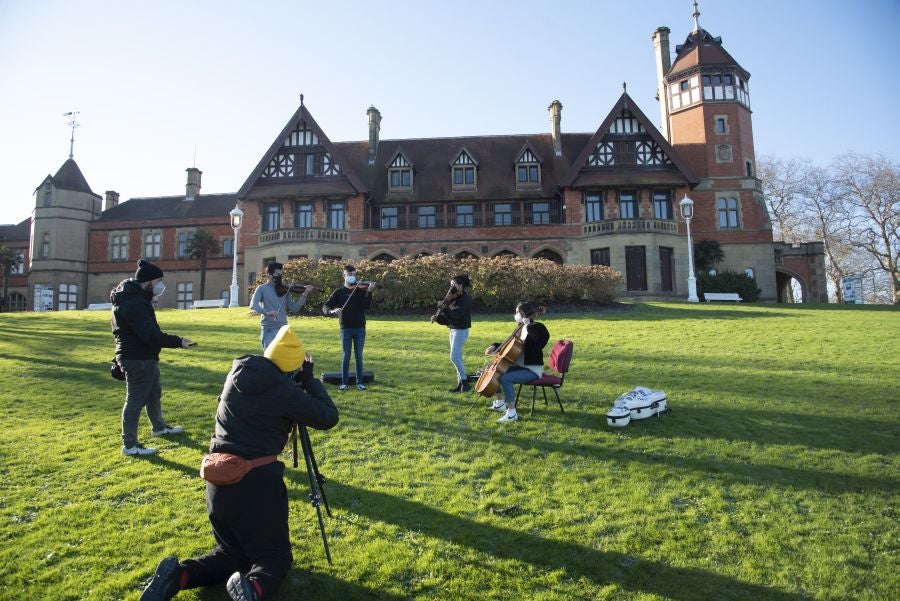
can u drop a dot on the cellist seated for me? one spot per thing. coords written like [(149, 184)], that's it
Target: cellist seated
[(529, 365)]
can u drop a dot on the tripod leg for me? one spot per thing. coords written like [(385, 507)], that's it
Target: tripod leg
[(314, 487), (320, 479)]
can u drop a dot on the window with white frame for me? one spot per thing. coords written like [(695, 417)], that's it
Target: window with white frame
[(628, 205), (184, 295), (389, 217), (67, 297), (685, 92), (336, 215), (400, 174), (593, 205), (464, 172), (728, 213), (152, 245), (271, 217), (528, 170), (662, 204), (118, 247)]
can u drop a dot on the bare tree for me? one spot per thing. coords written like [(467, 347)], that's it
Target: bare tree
[(872, 189), (783, 184), (202, 246)]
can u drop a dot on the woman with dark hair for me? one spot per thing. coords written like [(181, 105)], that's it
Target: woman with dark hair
[(529, 365), (457, 308)]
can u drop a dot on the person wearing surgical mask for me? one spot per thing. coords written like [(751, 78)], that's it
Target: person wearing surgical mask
[(529, 366), (349, 303), (138, 343), (273, 301)]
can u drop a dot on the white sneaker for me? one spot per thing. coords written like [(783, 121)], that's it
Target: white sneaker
[(360, 387), (167, 430), (138, 450), (508, 417), (498, 406), (342, 387)]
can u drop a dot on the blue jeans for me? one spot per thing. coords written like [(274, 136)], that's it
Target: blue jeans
[(357, 338), (457, 341), (267, 334), (515, 375), (142, 391)]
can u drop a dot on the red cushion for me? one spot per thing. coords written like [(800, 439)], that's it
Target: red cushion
[(546, 380)]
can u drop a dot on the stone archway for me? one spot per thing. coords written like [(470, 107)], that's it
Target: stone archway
[(387, 258), (549, 254), (791, 288)]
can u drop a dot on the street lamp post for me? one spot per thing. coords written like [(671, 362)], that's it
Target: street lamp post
[(687, 212), (237, 217)]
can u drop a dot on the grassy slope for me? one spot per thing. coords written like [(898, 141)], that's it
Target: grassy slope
[(774, 477)]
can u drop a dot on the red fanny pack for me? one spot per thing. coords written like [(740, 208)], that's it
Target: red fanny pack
[(224, 468)]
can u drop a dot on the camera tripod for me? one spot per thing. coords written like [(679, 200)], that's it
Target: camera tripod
[(316, 480)]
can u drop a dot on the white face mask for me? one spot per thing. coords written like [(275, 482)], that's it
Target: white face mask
[(158, 288), (518, 317), (350, 280)]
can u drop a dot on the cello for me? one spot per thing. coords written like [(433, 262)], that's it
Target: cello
[(507, 353)]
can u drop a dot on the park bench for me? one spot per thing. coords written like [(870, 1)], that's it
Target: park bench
[(208, 303), (722, 296), (99, 307)]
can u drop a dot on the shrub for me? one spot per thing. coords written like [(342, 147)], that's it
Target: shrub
[(729, 281), (498, 283)]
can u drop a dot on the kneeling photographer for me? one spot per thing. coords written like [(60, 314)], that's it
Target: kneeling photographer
[(263, 397)]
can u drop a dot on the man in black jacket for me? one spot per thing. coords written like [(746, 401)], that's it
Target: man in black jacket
[(138, 342), (263, 397)]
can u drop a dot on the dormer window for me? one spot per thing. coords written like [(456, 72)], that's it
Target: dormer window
[(463, 172), (528, 170), (400, 174)]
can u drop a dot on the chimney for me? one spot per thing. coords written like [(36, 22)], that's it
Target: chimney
[(374, 128), (663, 64), (555, 109), (192, 189), (111, 200)]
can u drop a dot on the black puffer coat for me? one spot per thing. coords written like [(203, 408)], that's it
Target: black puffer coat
[(259, 405), (134, 323)]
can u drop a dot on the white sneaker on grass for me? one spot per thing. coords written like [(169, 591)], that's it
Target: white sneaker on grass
[(498, 406), (138, 449), (510, 416), (167, 430)]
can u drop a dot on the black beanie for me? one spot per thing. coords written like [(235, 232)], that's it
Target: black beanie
[(147, 271)]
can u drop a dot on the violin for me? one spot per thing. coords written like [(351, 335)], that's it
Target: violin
[(293, 289), (361, 285), (439, 317)]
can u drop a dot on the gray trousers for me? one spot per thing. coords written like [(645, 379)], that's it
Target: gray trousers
[(142, 391)]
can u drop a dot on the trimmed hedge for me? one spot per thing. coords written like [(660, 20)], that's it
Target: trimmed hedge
[(497, 283), (729, 281)]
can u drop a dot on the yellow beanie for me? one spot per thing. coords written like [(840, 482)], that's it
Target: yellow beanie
[(286, 350)]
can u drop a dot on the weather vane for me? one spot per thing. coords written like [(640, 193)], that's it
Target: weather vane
[(73, 124)]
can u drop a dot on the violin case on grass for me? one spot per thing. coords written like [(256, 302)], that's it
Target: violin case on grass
[(637, 404), (334, 377)]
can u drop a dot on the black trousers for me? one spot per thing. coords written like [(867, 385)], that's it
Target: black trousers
[(250, 524)]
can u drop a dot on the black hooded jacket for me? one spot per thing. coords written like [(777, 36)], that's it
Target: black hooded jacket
[(134, 323), (259, 405)]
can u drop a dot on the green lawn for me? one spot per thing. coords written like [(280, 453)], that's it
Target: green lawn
[(775, 476)]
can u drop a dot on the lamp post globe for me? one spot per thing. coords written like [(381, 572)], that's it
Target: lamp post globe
[(237, 218), (687, 212)]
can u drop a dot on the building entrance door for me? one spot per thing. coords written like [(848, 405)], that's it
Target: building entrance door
[(636, 268)]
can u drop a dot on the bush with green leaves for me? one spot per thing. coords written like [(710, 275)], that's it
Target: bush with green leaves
[(729, 281), (410, 284)]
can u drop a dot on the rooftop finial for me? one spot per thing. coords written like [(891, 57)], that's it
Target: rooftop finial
[(301, 99), (624, 88), (696, 15), (73, 124)]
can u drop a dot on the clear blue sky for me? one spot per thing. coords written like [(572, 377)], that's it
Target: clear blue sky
[(155, 80)]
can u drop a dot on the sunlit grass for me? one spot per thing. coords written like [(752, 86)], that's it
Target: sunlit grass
[(774, 477)]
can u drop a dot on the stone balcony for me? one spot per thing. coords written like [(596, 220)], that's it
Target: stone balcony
[(308, 234), (630, 226)]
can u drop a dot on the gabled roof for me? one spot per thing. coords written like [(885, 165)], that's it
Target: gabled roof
[(347, 183), (172, 207), (69, 177), (682, 172), (527, 146), (20, 232), (701, 48)]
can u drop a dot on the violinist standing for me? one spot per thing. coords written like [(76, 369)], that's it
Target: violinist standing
[(273, 302), (349, 304), (530, 364), (457, 308)]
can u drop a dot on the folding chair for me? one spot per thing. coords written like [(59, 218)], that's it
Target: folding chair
[(560, 357)]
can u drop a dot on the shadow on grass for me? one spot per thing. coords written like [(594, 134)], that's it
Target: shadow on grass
[(600, 567), (735, 471), (314, 585)]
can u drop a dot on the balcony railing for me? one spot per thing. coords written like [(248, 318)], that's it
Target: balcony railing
[(628, 226), (311, 234)]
